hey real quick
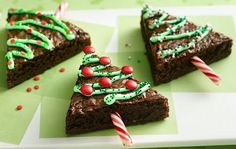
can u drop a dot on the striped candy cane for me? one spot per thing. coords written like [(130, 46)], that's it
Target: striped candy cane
[(203, 67), (61, 9), (121, 129)]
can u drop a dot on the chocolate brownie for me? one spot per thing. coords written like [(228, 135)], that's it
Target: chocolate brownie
[(37, 42), (171, 42), (102, 88)]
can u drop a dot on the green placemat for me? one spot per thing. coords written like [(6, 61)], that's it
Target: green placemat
[(57, 108), (52, 84), (106, 4), (13, 123), (130, 39)]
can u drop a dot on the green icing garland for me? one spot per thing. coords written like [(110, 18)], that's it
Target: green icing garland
[(200, 33), (113, 93), (44, 42)]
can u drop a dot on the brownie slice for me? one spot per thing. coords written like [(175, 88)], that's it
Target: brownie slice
[(37, 42), (91, 103), (171, 42)]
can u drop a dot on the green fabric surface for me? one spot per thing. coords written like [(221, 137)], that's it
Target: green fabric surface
[(130, 39), (57, 108), (106, 4), (52, 84)]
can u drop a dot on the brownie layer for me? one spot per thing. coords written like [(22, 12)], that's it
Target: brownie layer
[(213, 47), (43, 59), (91, 113)]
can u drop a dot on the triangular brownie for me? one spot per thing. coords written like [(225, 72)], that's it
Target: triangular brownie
[(172, 41), (102, 88), (37, 42)]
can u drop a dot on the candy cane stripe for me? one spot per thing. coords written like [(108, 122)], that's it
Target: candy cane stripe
[(121, 129), (204, 68)]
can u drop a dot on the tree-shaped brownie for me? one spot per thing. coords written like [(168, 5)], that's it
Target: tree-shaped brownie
[(38, 41), (102, 88), (172, 41)]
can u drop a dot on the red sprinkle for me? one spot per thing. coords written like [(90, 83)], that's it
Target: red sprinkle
[(19, 107), (22, 52), (29, 30), (29, 89), (39, 14), (36, 87), (12, 40), (36, 78), (68, 30), (43, 22), (39, 41), (12, 23), (61, 69), (9, 63)]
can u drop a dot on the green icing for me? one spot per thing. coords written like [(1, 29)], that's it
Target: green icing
[(111, 98), (113, 93), (169, 34), (203, 31), (44, 42)]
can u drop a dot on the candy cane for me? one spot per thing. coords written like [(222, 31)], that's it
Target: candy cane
[(204, 68), (61, 9), (121, 129)]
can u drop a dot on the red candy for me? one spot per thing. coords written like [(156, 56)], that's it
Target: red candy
[(87, 72), (36, 87), (88, 49), (12, 23), (43, 22), (39, 42), (105, 82), (62, 69), (29, 89), (39, 14), (131, 84), (19, 107), (12, 41), (68, 30), (22, 52), (29, 30), (86, 89), (9, 63), (36, 78), (104, 60), (127, 70)]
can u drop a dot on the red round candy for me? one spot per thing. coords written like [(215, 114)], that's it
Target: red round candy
[(9, 63), (12, 41), (29, 30), (19, 107), (105, 82), (104, 60), (29, 89), (127, 70), (131, 84), (39, 42), (88, 49), (62, 69), (43, 22), (86, 89), (87, 72), (36, 87), (36, 78)]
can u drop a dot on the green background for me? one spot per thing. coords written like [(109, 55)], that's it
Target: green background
[(19, 120), (107, 4)]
